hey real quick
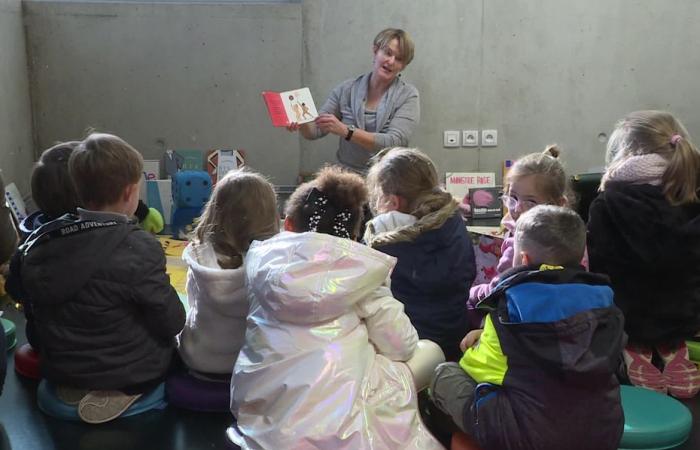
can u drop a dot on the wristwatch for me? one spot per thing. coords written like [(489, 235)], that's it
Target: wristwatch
[(351, 130)]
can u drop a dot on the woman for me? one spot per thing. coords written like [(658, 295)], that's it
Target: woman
[(373, 111)]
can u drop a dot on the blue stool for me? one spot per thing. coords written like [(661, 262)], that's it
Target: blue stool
[(10, 335), (653, 421), (51, 405)]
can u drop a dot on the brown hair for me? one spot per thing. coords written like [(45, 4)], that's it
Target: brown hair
[(53, 191), (242, 209), (646, 132), (408, 173), (552, 235), (406, 46), (551, 179), (344, 190), (102, 166)]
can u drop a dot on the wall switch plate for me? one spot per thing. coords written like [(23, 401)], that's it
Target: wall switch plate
[(451, 138), (470, 138), (489, 138)]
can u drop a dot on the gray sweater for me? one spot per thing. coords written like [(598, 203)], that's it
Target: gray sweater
[(398, 114)]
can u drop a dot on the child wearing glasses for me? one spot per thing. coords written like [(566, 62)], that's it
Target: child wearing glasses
[(534, 179)]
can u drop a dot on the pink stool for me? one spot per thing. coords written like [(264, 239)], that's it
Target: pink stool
[(27, 362)]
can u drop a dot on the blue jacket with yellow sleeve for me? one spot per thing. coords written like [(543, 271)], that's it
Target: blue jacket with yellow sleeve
[(547, 360)]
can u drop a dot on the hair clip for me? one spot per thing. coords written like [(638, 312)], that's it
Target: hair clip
[(675, 139), (317, 202)]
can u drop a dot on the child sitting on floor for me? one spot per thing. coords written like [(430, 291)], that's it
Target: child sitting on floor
[(542, 373), (104, 309), (534, 179), (420, 225), (319, 368), (242, 208), (644, 232)]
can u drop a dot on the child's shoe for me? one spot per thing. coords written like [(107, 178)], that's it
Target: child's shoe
[(681, 374), (641, 371), (70, 395), (103, 406)]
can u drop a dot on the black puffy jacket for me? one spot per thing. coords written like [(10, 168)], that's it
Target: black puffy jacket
[(104, 309)]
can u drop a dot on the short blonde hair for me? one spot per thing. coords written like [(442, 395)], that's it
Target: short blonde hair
[(102, 166), (552, 235), (242, 209), (646, 132), (406, 46)]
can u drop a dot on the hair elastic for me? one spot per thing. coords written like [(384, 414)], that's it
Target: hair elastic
[(320, 207), (675, 139)]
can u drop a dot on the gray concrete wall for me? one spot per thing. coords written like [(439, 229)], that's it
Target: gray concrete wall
[(16, 148), (167, 75), (190, 76), (538, 71)]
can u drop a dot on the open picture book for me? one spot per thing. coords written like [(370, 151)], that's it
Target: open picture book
[(285, 108)]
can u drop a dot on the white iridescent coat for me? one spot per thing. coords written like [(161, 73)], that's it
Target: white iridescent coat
[(308, 376)]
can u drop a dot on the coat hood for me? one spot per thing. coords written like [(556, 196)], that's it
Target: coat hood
[(219, 286), (306, 278), (564, 319), (52, 277)]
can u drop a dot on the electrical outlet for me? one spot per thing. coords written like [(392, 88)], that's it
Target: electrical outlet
[(451, 138), (489, 138), (470, 138)]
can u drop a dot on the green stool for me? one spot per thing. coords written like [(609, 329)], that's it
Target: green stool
[(694, 350), (653, 421), (10, 336)]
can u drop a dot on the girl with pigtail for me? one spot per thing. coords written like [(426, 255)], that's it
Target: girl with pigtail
[(644, 232)]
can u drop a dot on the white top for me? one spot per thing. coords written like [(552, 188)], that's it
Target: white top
[(215, 328)]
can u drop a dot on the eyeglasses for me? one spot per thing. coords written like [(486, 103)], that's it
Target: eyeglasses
[(511, 203)]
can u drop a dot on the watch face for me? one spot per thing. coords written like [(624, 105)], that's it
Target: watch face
[(351, 127)]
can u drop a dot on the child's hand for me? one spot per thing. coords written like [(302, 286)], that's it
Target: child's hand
[(470, 339)]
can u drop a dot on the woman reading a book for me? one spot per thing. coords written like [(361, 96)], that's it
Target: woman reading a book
[(373, 111)]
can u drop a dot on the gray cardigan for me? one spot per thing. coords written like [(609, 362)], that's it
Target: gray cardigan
[(398, 113)]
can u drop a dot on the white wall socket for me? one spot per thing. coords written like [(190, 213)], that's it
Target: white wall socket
[(489, 138), (451, 138), (470, 138)]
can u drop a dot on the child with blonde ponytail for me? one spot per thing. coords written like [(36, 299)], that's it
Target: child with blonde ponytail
[(644, 232), (419, 223)]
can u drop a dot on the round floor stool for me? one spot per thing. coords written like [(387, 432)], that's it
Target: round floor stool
[(50, 404), (462, 441), (10, 335), (653, 421), (27, 362), (694, 351), (188, 392)]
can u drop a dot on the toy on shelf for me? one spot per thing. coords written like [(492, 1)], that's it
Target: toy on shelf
[(191, 191)]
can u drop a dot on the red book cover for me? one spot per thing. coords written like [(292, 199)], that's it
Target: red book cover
[(285, 108)]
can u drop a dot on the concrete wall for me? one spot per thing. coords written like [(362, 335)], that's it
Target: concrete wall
[(16, 148), (167, 75), (189, 76), (538, 72)]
